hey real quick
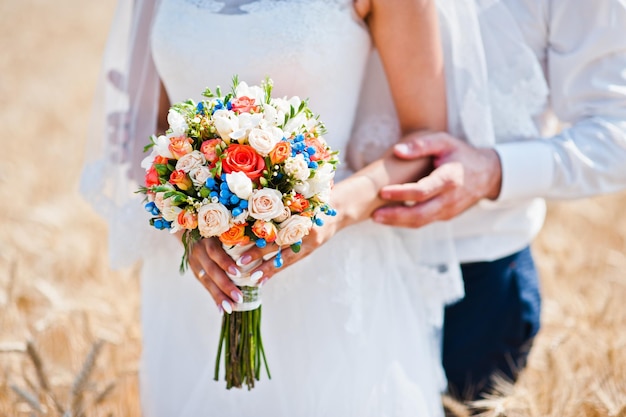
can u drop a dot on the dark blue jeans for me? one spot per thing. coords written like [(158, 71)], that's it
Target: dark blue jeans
[(492, 328)]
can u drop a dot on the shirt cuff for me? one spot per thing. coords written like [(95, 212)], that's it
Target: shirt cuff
[(527, 169)]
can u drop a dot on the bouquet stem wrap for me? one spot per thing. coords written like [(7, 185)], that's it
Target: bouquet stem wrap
[(240, 337)]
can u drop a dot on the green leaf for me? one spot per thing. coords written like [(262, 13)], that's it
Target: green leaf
[(296, 247), (204, 192), (162, 169), (235, 81)]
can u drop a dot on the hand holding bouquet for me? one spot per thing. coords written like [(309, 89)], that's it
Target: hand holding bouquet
[(247, 169)]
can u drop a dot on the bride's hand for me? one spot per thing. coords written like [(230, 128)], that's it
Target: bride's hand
[(316, 238), (208, 261)]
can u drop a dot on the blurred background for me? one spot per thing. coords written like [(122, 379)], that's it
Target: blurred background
[(69, 326)]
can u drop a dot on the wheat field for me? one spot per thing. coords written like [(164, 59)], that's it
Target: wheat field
[(69, 326)]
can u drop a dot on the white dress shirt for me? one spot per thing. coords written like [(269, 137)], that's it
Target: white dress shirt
[(577, 79)]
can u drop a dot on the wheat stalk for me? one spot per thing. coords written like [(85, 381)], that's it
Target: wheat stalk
[(82, 379), (33, 354), (28, 397)]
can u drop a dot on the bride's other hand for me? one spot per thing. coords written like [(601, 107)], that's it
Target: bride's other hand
[(208, 261)]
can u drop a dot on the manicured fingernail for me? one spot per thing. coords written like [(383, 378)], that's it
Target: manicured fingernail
[(244, 260), (236, 295), (269, 255), (227, 307), (262, 282), (221, 310), (256, 276), (379, 218), (403, 148), (234, 272)]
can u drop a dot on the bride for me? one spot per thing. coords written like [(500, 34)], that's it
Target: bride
[(352, 329)]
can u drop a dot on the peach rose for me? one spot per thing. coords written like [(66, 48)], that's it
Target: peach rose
[(244, 105), (180, 146), (293, 230), (235, 235), (264, 140), (213, 219), (297, 203), (181, 180), (190, 161), (321, 148), (266, 204), (281, 152), (187, 220), (208, 149), (264, 230)]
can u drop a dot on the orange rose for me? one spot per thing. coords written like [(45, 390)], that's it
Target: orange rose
[(208, 150), (187, 220), (264, 230), (297, 203), (243, 105), (160, 160), (320, 146), (235, 235), (180, 146), (152, 177), (243, 158), (181, 180), (281, 151)]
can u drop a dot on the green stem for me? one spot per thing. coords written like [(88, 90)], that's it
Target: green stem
[(219, 350)]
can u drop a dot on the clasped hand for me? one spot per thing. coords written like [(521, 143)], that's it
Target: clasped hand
[(462, 176)]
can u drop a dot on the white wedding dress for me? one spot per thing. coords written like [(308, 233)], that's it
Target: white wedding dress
[(352, 330)]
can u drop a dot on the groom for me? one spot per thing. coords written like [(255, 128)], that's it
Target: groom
[(492, 202)]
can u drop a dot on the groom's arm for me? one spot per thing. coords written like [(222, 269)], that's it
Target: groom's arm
[(586, 56)]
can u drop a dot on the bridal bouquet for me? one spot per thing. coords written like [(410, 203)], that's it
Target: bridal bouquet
[(247, 169)]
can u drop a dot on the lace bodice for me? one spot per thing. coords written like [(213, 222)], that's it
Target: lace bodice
[(313, 49)]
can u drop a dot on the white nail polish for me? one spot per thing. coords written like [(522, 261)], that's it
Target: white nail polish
[(270, 255), (256, 276), (237, 297), (227, 307), (234, 272)]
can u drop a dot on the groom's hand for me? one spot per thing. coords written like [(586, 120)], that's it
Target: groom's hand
[(463, 175)]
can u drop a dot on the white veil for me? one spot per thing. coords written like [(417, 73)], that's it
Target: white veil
[(124, 116)]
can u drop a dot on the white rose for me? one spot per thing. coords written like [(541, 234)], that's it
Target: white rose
[(322, 182), (255, 92), (264, 140), (169, 210), (293, 230), (239, 184), (213, 219), (286, 214), (297, 167), (200, 175), (190, 161), (226, 122), (177, 123), (266, 204)]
